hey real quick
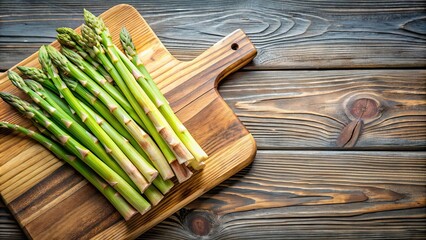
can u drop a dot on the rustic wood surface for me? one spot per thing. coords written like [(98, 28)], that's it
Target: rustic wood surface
[(317, 62), (289, 34), (52, 202)]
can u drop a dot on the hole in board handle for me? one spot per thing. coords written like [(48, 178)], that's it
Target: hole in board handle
[(234, 46)]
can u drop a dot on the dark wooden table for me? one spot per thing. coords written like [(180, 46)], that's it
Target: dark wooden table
[(321, 65)]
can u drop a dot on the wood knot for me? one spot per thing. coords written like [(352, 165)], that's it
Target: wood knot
[(360, 109), (200, 223), (363, 107)]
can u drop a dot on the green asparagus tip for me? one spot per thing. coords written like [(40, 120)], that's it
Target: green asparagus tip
[(14, 101), (57, 58), (64, 30), (13, 127), (65, 40), (33, 85), (8, 125), (71, 33), (33, 73), (8, 97), (44, 59), (127, 42), (4, 94), (125, 36), (124, 32), (93, 22), (73, 56), (24, 69), (89, 36), (16, 80)]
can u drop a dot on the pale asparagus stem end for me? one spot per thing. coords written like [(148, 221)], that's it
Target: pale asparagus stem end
[(181, 171), (130, 212), (154, 196), (197, 165)]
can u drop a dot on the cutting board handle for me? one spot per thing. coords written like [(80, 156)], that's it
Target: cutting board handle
[(225, 57)]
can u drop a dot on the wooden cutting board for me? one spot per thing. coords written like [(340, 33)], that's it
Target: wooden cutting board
[(51, 201)]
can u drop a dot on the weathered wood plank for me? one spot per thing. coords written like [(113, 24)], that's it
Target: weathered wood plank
[(305, 194), (309, 109), (290, 34), (9, 228)]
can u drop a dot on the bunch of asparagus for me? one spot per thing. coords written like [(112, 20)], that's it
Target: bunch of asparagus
[(99, 110)]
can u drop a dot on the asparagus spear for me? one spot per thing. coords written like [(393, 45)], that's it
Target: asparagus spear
[(147, 83), (35, 74), (111, 177), (38, 88), (78, 41), (153, 195), (90, 39), (144, 140), (163, 185), (69, 38), (85, 96), (111, 147), (39, 76), (144, 167), (181, 172), (93, 74), (138, 160), (85, 137), (126, 210), (181, 152)]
